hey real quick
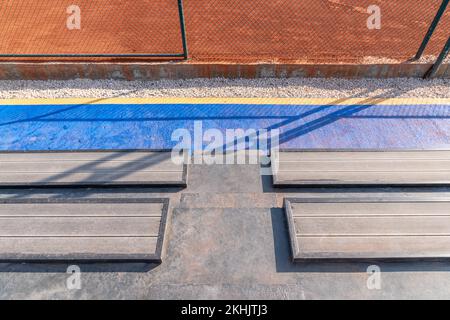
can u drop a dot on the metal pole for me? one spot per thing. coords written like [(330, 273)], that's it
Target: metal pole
[(183, 29), (433, 26), (440, 60)]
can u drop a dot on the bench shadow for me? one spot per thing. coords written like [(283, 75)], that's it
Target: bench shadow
[(77, 193), (284, 263), (61, 267)]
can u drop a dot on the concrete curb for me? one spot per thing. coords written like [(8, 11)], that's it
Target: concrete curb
[(174, 70)]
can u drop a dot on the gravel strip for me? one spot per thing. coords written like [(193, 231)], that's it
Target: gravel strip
[(422, 60), (283, 88), (431, 59)]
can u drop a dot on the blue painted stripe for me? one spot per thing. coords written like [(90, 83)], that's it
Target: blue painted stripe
[(150, 126)]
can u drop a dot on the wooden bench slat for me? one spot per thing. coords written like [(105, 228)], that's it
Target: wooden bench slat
[(362, 178), (410, 165), (361, 248), (79, 226), (59, 248), (79, 209), (81, 155), (370, 208), (355, 155), (96, 177), (363, 226), (86, 166)]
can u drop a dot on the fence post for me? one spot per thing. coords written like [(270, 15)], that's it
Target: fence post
[(440, 60), (433, 26), (183, 29)]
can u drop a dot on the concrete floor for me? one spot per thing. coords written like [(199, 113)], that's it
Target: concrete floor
[(227, 240)]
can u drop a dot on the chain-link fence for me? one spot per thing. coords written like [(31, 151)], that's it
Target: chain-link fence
[(312, 30), (76, 28), (309, 31)]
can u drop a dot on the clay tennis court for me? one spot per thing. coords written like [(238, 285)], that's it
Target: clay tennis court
[(307, 31)]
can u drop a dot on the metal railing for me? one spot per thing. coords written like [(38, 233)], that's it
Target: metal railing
[(440, 60)]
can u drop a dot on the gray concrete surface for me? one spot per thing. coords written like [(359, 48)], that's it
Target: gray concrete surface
[(227, 240)]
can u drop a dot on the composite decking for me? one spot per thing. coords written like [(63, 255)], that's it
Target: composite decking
[(90, 168), (82, 229), (336, 229), (361, 168)]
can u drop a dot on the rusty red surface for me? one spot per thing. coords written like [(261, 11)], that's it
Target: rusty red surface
[(283, 31)]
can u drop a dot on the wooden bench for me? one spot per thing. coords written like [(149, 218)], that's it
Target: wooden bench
[(361, 168), (368, 229), (90, 169), (82, 229)]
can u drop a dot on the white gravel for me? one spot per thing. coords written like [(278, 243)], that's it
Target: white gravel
[(431, 59), (284, 88), (423, 59)]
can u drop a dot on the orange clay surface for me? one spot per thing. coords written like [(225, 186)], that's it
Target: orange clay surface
[(302, 31)]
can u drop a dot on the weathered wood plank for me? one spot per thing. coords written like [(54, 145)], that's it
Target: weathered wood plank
[(376, 248), (355, 155), (90, 169), (80, 226), (315, 168), (366, 165), (87, 166), (45, 209), (78, 248), (406, 228), (373, 226), (79, 178), (82, 229), (362, 178), (346, 209), (116, 155)]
